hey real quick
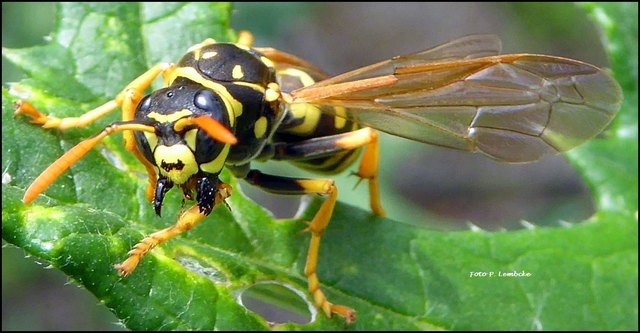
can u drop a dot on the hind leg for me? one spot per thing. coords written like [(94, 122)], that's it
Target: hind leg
[(330, 145)]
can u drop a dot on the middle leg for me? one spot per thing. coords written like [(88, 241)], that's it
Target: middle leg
[(334, 144), (186, 221), (299, 186)]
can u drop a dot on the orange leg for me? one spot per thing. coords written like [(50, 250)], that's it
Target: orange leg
[(128, 99), (368, 168), (245, 38), (284, 185), (186, 221), (131, 93)]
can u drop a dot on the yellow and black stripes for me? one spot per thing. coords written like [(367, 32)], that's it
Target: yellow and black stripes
[(323, 154), (332, 153), (181, 147), (245, 81), (226, 62), (189, 75), (304, 123)]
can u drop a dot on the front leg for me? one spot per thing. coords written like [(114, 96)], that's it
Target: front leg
[(128, 99), (186, 221), (206, 194)]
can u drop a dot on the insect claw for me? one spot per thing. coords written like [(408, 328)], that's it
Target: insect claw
[(307, 229), (360, 178), (121, 270), (25, 108)]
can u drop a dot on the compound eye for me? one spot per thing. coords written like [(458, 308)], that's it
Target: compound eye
[(207, 100), (144, 104)]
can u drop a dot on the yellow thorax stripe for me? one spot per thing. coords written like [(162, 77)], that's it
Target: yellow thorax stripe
[(253, 86), (169, 118), (304, 77), (233, 106)]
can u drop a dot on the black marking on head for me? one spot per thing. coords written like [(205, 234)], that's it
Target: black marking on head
[(172, 166)]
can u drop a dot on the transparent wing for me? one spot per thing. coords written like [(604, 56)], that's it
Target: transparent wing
[(469, 47), (513, 108)]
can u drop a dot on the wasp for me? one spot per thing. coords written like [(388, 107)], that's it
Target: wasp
[(225, 105)]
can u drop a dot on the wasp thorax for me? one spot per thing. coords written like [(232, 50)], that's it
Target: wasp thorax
[(176, 162)]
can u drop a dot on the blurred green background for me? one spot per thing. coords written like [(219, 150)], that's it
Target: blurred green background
[(418, 182)]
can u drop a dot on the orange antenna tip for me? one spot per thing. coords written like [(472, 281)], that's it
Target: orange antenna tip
[(215, 129)]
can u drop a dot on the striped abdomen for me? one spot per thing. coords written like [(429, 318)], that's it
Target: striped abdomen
[(306, 121)]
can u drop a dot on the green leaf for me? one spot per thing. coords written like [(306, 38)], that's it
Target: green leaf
[(611, 166), (397, 276)]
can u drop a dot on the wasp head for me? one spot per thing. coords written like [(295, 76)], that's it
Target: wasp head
[(184, 148)]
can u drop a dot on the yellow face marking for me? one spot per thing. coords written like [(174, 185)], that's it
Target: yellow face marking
[(176, 162), (341, 117), (216, 165), (196, 54), (305, 78), (204, 43), (267, 62), (190, 137), (260, 127), (209, 54), (233, 106), (237, 73), (152, 139), (169, 118)]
